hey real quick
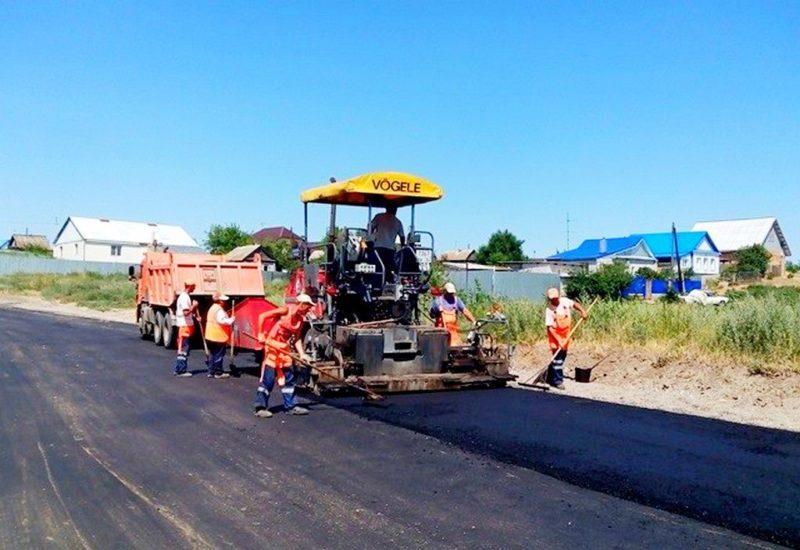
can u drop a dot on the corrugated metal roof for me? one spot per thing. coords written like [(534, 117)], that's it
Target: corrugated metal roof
[(116, 231), (20, 241), (731, 235), (458, 255), (662, 244), (590, 249), (276, 234), (241, 253)]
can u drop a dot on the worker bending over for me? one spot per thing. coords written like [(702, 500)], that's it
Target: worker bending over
[(287, 331), (185, 310), (384, 229), (558, 320), (219, 330), (445, 309)]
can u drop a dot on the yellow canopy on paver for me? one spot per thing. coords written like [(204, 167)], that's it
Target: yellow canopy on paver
[(376, 189)]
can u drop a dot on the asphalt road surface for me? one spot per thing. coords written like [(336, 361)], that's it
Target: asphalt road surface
[(100, 447)]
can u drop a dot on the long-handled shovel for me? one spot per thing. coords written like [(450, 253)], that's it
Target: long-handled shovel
[(538, 376), (205, 343), (233, 331)]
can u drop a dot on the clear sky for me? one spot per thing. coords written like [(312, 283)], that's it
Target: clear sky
[(627, 116)]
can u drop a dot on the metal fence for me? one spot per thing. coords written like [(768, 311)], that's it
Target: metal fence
[(25, 263), (511, 284)]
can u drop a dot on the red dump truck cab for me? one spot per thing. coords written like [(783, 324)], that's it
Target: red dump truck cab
[(160, 279)]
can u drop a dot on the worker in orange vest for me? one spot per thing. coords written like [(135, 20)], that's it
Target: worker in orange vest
[(185, 311), (219, 330), (286, 332), (558, 320), (445, 309)]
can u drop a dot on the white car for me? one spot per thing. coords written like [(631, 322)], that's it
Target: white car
[(704, 298)]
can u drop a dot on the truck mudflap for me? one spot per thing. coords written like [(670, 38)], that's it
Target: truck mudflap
[(417, 383)]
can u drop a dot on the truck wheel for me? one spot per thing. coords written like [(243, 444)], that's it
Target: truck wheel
[(168, 338), (142, 327), (158, 330)]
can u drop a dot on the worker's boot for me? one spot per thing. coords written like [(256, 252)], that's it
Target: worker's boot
[(298, 411), (184, 375), (263, 413), (222, 375)]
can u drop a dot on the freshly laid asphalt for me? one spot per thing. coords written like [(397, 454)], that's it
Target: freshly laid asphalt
[(100, 447)]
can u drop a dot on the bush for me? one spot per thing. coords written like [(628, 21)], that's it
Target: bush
[(607, 282), (752, 259)]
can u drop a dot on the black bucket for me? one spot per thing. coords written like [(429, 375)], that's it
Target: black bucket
[(583, 374)]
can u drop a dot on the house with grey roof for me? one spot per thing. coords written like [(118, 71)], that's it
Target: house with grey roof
[(733, 235)]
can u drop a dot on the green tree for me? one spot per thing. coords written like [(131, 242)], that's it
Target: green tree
[(752, 259), (503, 246), (283, 252), (221, 239), (607, 282)]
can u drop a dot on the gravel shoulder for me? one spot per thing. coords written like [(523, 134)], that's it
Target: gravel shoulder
[(642, 378), (32, 302)]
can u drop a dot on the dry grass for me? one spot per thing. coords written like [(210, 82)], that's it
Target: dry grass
[(759, 328), (100, 292)]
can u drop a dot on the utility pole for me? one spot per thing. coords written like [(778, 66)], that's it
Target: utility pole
[(567, 230), (677, 257)]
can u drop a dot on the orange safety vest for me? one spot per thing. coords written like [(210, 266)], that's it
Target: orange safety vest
[(448, 319), (561, 328), (216, 332), (276, 345)]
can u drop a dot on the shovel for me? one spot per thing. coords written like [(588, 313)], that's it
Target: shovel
[(538, 376)]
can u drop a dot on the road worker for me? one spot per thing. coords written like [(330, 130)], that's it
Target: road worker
[(185, 311), (384, 229), (558, 320), (445, 309), (219, 331), (278, 339)]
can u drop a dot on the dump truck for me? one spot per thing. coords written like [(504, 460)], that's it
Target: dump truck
[(369, 330), (159, 280)]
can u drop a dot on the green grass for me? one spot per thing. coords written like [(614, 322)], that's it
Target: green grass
[(274, 291), (93, 290)]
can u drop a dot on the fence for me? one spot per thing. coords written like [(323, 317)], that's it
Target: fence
[(24, 263), (639, 286), (511, 284)]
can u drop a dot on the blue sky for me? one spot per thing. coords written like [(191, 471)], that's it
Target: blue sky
[(627, 116)]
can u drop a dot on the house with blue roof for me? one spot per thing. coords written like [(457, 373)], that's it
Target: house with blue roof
[(592, 253), (696, 251)]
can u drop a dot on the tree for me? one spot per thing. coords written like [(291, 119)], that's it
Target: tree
[(503, 246), (752, 260), (283, 252), (607, 282), (224, 238)]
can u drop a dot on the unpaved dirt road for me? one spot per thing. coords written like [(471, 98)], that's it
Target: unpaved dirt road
[(100, 447)]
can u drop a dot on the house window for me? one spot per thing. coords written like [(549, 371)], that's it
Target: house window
[(116, 250)]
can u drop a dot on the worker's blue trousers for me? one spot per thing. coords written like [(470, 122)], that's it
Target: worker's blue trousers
[(267, 383), (555, 371), (217, 355), (182, 361)]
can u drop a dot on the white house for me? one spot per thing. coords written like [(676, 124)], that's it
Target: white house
[(732, 235), (103, 240)]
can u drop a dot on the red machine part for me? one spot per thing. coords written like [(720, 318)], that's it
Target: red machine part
[(246, 329)]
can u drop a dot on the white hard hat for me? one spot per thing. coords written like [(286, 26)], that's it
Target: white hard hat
[(304, 299), (450, 288), (219, 296)]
